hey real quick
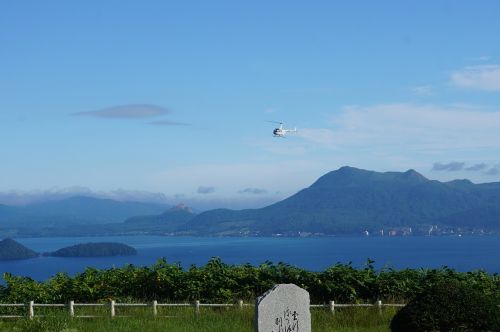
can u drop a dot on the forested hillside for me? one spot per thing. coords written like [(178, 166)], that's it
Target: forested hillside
[(95, 250), (12, 250), (351, 200)]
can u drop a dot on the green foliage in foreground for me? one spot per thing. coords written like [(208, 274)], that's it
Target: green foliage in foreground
[(220, 282), (184, 320), (448, 306)]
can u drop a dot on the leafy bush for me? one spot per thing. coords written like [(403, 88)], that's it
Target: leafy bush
[(449, 305)]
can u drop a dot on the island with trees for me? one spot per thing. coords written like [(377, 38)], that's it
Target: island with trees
[(12, 250), (95, 250)]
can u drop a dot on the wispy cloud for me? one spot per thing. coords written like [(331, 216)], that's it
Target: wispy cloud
[(167, 123), (483, 58), (423, 128), (495, 170), (255, 191), (205, 190), (34, 196), (233, 177), (477, 167), (423, 90), (480, 77), (449, 167), (322, 136), (131, 111), (459, 166)]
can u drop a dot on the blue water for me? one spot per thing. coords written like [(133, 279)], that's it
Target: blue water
[(464, 253)]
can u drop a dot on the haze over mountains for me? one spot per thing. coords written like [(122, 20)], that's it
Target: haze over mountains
[(245, 198), (74, 210), (345, 201), (22, 198)]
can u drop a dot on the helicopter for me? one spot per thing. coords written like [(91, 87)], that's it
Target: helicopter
[(281, 131)]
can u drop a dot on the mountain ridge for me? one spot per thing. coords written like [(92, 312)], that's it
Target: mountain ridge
[(348, 200), (351, 200)]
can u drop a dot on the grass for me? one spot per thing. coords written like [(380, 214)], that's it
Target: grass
[(185, 320), (352, 319)]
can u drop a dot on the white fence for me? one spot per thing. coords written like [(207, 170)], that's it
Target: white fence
[(112, 305)]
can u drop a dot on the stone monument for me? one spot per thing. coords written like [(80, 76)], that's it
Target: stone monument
[(283, 308)]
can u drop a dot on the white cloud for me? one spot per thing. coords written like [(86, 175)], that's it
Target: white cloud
[(426, 128), (482, 58), (423, 90), (481, 77), (321, 136)]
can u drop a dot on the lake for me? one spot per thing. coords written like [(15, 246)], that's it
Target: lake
[(464, 253)]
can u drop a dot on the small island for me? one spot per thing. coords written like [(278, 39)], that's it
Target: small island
[(12, 250), (99, 249)]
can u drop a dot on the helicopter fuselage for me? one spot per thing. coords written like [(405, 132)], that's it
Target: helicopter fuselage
[(281, 132), (278, 132)]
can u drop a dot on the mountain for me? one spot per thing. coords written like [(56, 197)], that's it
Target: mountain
[(74, 210), (345, 201), (351, 200), (176, 215), (12, 250), (166, 222)]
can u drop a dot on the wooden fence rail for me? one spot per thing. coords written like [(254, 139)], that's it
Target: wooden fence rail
[(71, 305)]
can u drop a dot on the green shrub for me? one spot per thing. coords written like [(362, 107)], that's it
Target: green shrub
[(220, 282), (449, 305)]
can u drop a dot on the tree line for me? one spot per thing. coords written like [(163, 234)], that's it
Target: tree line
[(220, 282)]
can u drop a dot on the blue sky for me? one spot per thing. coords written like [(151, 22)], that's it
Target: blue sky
[(173, 97)]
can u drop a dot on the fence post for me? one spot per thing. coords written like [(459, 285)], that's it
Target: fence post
[(31, 309), (379, 305), (197, 307), (112, 305), (332, 307), (72, 308), (240, 304), (155, 308)]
